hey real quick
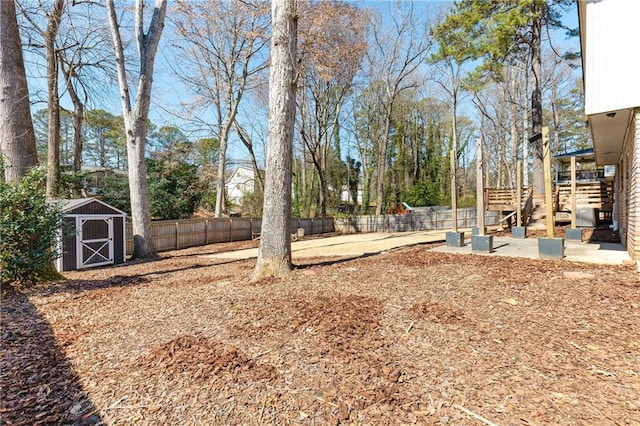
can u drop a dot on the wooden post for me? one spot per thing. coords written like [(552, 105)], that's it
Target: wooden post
[(177, 235), (480, 187), (519, 194), (573, 192), (454, 193), (548, 200)]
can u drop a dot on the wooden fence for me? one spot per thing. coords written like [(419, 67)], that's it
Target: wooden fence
[(177, 234), (423, 221)]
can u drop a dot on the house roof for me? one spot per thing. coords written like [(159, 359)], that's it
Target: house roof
[(585, 153), (72, 204)]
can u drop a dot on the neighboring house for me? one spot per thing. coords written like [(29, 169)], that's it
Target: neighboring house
[(95, 176), (241, 181), (610, 42), (346, 196)]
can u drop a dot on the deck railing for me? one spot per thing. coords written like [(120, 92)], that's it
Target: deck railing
[(597, 195)]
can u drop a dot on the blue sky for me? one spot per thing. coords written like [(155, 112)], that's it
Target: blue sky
[(168, 92)]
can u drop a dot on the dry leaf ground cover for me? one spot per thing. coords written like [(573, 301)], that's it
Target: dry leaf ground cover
[(405, 337)]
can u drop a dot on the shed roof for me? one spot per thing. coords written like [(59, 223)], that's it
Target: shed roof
[(69, 205)]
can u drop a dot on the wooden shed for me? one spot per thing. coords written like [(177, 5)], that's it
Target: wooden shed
[(93, 234)]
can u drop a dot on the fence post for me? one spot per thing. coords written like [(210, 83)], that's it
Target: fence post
[(177, 235), (206, 231), (230, 230)]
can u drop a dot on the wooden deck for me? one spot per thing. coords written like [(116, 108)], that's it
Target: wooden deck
[(597, 195)]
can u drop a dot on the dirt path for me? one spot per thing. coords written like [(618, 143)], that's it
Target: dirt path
[(346, 245)]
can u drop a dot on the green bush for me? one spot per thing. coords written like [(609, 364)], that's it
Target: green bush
[(29, 227), (422, 194), (174, 189)]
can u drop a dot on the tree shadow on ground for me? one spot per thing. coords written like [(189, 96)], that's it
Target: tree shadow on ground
[(39, 385), (77, 286)]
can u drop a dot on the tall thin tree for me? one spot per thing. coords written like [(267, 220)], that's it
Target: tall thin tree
[(222, 52), (53, 97), (136, 115), (399, 49)]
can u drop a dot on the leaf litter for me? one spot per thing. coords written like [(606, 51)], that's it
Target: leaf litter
[(408, 337)]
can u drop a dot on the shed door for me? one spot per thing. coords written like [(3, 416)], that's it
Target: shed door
[(95, 241)]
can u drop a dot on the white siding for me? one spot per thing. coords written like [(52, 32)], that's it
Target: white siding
[(240, 183), (612, 61)]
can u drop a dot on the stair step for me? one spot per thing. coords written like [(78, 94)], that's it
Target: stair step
[(537, 225)]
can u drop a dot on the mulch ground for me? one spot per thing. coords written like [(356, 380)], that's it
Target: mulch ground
[(405, 337)]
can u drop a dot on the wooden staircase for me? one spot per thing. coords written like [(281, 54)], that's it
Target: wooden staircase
[(505, 202), (538, 219)]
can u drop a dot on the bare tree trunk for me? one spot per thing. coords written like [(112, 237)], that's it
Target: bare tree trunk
[(556, 122), (17, 138), (135, 119), (514, 143), (536, 105), (246, 141), (222, 156), (525, 148), (382, 163), (274, 257), (220, 186), (77, 117), (53, 99)]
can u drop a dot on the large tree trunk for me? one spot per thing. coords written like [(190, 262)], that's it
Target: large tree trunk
[(17, 139), (53, 99), (139, 193), (135, 119), (536, 104), (274, 257)]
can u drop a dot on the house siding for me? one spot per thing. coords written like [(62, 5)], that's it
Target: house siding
[(633, 234), (612, 33), (629, 188)]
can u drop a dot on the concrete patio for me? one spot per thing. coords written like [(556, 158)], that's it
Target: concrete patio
[(576, 251)]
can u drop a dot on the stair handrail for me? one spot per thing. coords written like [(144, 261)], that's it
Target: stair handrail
[(556, 199)]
